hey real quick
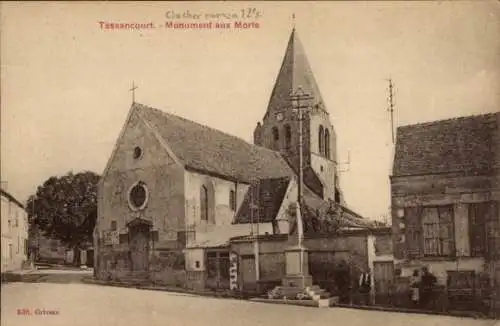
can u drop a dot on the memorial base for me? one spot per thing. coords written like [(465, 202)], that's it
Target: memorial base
[(297, 281)]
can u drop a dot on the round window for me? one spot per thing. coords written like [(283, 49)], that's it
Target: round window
[(137, 152), (138, 196)]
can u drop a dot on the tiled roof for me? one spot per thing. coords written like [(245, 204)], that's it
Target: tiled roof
[(211, 151), (317, 208), (295, 72), (462, 144), (271, 193)]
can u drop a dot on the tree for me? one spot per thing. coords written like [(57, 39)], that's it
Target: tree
[(65, 208)]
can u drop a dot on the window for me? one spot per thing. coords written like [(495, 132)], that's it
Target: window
[(276, 137), (232, 200), (492, 226), (137, 152), (460, 279), (204, 203), (138, 196), (123, 238), (113, 225), (327, 143), (321, 138), (337, 196), (288, 136), (438, 230)]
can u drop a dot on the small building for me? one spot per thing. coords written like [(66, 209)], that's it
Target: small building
[(14, 233), (445, 204), (45, 250)]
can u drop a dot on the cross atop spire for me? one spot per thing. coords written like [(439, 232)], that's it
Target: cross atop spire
[(134, 87), (293, 21)]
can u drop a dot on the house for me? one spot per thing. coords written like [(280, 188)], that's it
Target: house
[(175, 195), (445, 203), (46, 250), (14, 233)]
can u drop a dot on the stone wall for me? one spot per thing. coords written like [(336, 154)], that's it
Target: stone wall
[(168, 267), (113, 263), (163, 177), (452, 189), (350, 249)]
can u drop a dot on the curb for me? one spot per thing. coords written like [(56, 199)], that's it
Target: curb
[(474, 315), (301, 303), (161, 288)]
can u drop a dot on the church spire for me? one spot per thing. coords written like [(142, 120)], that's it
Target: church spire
[(295, 72)]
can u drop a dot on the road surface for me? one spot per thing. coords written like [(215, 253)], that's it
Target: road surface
[(72, 303)]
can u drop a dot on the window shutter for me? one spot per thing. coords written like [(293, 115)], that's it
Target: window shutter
[(492, 219), (398, 234), (413, 232), (477, 219)]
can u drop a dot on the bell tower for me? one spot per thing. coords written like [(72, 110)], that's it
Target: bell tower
[(279, 129)]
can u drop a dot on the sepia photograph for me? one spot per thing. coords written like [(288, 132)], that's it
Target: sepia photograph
[(250, 163)]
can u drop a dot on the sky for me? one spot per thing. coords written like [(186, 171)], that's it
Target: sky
[(65, 81)]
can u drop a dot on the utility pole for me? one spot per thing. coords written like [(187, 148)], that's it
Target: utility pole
[(298, 96), (391, 106), (347, 163), (254, 215)]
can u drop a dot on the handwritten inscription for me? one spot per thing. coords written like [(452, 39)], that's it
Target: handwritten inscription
[(246, 13), (247, 18)]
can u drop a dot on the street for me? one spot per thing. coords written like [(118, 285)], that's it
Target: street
[(61, 299)]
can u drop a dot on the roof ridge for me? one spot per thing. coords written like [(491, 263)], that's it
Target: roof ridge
[(452, 119), (168, 114), (11, 197)]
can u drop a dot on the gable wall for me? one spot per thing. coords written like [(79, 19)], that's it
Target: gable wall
[(162, 176)]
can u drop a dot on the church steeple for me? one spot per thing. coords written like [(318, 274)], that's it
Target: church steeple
[(281, 131), (295, 72)]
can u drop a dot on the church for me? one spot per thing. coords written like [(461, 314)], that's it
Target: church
[(183, 204)]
